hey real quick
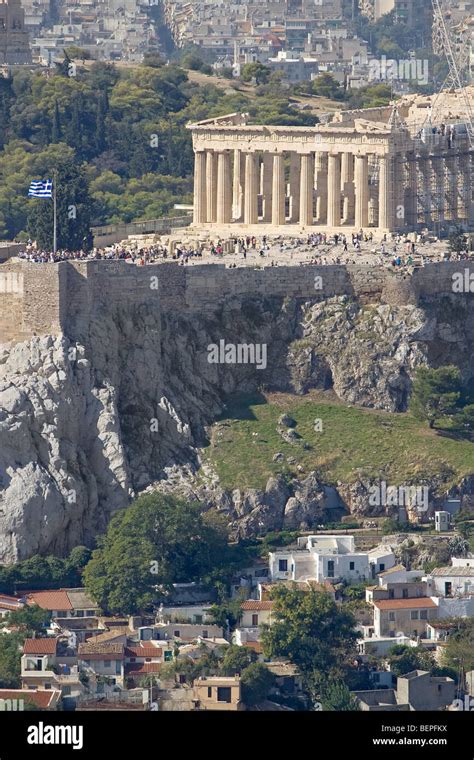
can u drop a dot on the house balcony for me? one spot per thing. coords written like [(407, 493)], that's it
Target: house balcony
[(37, 673)]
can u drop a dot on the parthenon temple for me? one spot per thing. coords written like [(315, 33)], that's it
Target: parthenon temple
[(372, 168)]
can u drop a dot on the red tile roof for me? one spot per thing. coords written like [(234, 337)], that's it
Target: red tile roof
[(50, 600), (40, 697), (255, 604), (11, 606), (143, 668), (9, 599), (40, 646), (144, 651), (256, 645), (103, 651), (404, 604)]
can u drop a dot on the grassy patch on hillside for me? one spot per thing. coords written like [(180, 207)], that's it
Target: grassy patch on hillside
[(354, 443)]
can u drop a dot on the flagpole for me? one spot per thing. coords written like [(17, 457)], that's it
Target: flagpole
[(54, 214)]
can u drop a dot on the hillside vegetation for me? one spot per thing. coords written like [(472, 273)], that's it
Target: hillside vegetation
[(353, 444)]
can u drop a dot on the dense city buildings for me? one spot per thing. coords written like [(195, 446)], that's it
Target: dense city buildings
[(14, 40)]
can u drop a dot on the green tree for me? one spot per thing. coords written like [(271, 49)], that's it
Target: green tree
[(236, 659), (436, 393), (73, 51), (156, 542), (372, 96), (256, 71), (56, 124), (459, 650), (311, 630), (28, 620), (336, 697), (74, 210), (404, 659), (193, 62), (257, 681), (458, 546), (10, 659), (227, 611), (327, 86), (464, 419)]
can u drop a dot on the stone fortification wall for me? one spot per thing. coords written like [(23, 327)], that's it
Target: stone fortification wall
[(54, 298)]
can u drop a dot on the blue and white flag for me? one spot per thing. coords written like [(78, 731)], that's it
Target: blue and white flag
[(41, 188)]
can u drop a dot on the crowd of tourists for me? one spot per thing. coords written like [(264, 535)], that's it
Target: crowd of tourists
[(315, 248)]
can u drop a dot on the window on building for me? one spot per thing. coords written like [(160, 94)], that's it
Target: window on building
[(405, 593), (47, 685), (209, 692), (255, 620), (391, 594), (205, 634), (424, 615), (198, 619), (168, 655), (414, 615), (176, 633), (60, 614), (80, 613), (282, 565), (381, 567), (351, 565), (224, 694), (391, 617), (331, 568)]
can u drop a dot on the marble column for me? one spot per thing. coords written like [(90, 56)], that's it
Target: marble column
[(361, 180), (200, 210), (386, 206), (411, 190), (347, 187), (465, 189), (224, 189), (426, 188), (211, 185), (451, 210), (306, 190), (438, 199), (251, 189), (278, 190), (237, 192), (334, 190), (321, 174), (294, 188), (267, 185)]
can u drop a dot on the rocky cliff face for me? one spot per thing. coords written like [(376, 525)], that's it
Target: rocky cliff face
[(85, 424)]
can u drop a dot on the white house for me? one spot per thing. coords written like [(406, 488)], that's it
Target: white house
[(254, 613), (329, 558), (451, 581), (455, 607)]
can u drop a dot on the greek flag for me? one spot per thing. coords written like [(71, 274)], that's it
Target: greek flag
[(41, 188)]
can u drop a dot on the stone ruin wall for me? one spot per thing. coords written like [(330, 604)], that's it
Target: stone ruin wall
[(40, 299)]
